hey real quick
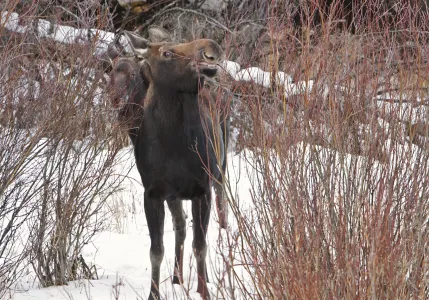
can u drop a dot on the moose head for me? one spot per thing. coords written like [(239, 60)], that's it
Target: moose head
[(181, 67)]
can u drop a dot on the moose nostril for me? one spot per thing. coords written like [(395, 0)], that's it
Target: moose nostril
[(209, 57)]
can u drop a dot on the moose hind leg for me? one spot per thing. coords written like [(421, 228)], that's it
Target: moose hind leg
[(221, 204), (201, 215), (154, 210), (219, 185), (179, 223)]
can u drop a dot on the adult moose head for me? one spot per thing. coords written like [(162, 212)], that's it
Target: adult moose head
[(179, 148)]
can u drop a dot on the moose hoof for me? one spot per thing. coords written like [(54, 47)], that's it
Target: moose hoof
[(204, 293), (154, 296), (223, 222)]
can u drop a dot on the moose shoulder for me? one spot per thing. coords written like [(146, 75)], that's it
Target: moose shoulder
[(179, 148)]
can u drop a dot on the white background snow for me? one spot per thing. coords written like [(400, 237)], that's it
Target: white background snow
[(121, 253)]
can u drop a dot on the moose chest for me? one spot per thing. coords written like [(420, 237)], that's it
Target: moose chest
[(173, 149)]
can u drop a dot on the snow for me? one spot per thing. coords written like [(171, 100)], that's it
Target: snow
[(258, 76), (231, 67), (402, 107), (10, 21), (59, 33), (121, 253)]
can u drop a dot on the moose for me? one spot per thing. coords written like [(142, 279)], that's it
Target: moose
[(180, 149), (128, 91)]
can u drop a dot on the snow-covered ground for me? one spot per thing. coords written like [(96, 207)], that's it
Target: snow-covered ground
[(121, 254)]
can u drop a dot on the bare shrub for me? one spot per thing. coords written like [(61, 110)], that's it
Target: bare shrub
[(76, 181), (17, 200), (58, 153), (339, 187), (339, 172)]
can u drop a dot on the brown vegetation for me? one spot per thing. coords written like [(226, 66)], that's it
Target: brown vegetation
[(339, 172)]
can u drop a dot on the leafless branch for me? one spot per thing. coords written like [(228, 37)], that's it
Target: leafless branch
[(183, 10)]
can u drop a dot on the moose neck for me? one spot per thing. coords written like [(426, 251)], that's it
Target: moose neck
[(177, 105)]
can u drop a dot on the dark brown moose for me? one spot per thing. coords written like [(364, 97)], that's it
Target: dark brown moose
[(180, 150), (128, 90)]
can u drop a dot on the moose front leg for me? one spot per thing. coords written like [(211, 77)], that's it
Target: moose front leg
[(179, 223), (154, 210), (201, 215)]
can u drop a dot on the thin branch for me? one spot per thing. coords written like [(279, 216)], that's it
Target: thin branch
[(158, 14), (400, 90), (184, 10), (415, 104), (69, 12), (199, 3)]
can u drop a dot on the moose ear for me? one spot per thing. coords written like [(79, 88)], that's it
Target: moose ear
[(137, 43), (112, 52), (158, 34)]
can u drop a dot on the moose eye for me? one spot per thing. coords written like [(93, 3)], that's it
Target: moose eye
[(167, 54)]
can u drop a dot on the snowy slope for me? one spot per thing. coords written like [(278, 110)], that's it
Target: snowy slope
[(122, 253)]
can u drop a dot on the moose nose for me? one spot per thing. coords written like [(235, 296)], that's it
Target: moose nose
[(211, 52), (210, 56), (203, 50)]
